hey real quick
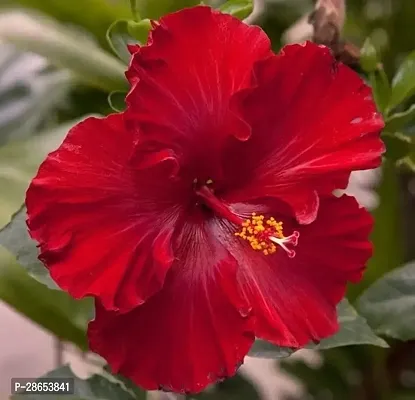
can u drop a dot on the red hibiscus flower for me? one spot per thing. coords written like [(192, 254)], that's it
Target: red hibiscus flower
[(203, 217)]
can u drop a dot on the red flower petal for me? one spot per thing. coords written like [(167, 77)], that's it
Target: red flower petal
[(92, 209), (183, 80), (313, 122), (189, 334), (294, 299)]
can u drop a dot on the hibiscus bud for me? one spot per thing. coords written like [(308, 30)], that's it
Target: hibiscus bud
[(328, 19), (324, 26)]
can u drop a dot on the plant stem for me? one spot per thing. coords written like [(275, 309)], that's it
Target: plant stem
[(134, 11)]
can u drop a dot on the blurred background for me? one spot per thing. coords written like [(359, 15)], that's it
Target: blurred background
[(48, 50)]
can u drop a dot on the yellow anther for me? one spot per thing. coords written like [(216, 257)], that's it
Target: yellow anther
[(266, 235)]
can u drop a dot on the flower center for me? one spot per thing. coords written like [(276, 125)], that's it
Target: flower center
[(221, 209), (265, 235)]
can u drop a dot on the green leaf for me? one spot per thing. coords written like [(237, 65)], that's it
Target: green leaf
[(128, 384), (389, 304), (354, 330), (116, 100), (238, 8), (263, 349), (397, 145), (403, 83), (139, 30), (381, 88), (401, 120), (97, 387), (64, 48), (15, 238), (119, 38), (53, 310), (369, 60)]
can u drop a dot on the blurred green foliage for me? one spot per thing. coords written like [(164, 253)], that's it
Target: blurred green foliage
[(94, 16)]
